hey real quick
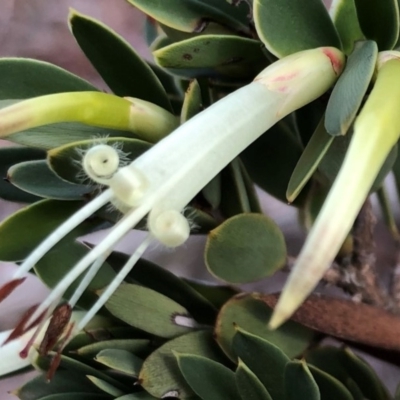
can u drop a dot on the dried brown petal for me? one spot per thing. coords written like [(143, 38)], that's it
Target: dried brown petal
[(58, 322), (55, 362)]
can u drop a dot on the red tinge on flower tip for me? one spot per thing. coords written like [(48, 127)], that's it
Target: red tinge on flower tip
[(58, 322), (9, 287)]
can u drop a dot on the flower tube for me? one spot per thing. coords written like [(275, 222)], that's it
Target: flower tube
[(162, 181)]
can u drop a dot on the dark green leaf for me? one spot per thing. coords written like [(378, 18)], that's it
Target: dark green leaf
[(350, 89), (78, 367), (193, 15), (61, 259), (120, 360), (333, 159), (299, 383), (344, 365), (132, 345), (160, 374), (37, 178), (164, 282), (271, 159), (39, 387), (238, 194), (249, 386), (136, 396), (245, 248), (105, 386), (312, 155), (379, 21), (264, 359), (116, 61), (250, 313), (22, 78), (287, 26), (329, 387), (216, 294), (148, 310), (221, 55), (76, 396), (344, 16), (8, 157), (192, 102), (210, 380), (21, 232)]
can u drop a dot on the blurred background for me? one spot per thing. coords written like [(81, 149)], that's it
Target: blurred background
[(38, 29)]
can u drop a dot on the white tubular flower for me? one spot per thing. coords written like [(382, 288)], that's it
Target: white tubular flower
[(376, 131), (166, 178)]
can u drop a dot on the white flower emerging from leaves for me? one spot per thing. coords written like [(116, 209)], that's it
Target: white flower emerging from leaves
[(162, 181)]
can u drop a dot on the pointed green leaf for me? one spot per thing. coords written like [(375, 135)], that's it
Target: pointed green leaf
[(264, 359), (132, 345), (77, 396), (210, 380), (37, 178), (249, 386), (120, 360), (250, 313), (165, 282), (217, 295), (21, 232), (192, 103), (78, 367), (333, 159), (329, 387), (66, 160), (299, 383), (350, 89), (287, 26), (161, 375), (364, 376), (344, 365), (193, 15), (245, 248), (312, 155), (379, 21), (8, 157), (238, 194), (152, 311), (116, 61), (22, 78), (105, 386), (39, 387), (222, 55), (344, 16), (136, 396)]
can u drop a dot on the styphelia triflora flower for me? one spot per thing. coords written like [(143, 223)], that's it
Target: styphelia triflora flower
[(376, 131), (162, 181)]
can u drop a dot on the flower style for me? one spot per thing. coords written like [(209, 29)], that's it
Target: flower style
[(162, 181)]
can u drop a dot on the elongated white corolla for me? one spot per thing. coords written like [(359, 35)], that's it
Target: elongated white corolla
[(162, 181), (376, 131)]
